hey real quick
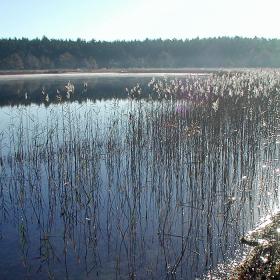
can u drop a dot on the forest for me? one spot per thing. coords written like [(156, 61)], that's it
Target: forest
[(44, 53)]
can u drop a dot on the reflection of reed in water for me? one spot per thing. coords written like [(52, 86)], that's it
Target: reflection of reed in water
[(144, 192)]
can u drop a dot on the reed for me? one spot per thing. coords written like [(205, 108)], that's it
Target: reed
[(162, 184)]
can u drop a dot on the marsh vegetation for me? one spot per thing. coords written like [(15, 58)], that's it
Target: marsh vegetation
[(158, 184)]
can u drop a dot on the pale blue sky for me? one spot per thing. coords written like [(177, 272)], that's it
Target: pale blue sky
[(138, 19)]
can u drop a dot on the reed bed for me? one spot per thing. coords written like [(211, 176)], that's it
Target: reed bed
[(160, 185)]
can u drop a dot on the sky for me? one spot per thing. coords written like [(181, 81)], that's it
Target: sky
[(138, 19)]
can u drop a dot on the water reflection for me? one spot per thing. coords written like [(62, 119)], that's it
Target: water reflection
[(135, 189), (46, 91)]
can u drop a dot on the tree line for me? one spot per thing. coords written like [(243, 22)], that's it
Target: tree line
[(47, 53)]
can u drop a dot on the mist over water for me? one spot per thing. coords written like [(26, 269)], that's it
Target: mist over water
[(159, 185)]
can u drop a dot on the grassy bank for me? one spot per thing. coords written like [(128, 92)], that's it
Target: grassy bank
[(263, 260)]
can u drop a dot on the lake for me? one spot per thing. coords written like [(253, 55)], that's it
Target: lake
[(129, 177)]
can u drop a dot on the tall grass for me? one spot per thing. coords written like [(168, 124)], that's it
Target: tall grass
[(162, 184)]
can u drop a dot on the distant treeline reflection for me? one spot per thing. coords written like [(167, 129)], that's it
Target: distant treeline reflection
[(37, 91)]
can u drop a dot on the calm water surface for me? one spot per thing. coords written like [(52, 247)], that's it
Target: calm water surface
[(94, 185)]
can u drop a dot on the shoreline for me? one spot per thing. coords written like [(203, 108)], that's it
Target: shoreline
[(263, 259), (259, 259), (114, 70), (105, 73)]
